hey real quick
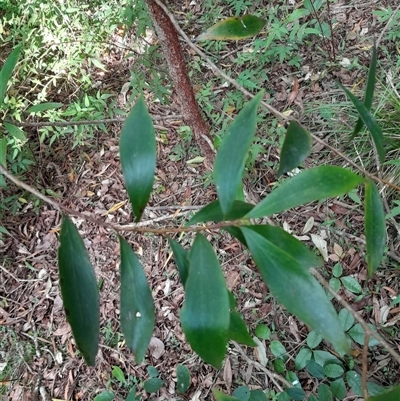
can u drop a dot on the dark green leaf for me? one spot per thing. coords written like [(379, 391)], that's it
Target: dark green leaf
[(313, 339), (257, 395), (131, 395), (232, 153), (307, 186), (375, 227), (237, 233), (105, 396), (391, 395), (181, 260), (153, 385), (338, 389), (152, 371), (277, 349), (324, 393), (302, 357), (3, 160), (369, 93), (296, 147), (118, 374), (292, 378), (234, 28), (183, 378), (289, 244), (263, 332), (16, 132), (137, 306), (203, 322), (79, 290), (242, 393), (138, 156), (283, 397), (37, 108), (370, 122), (333, 370), (6, 71), (296, 288), (232, 300), (238, 330), (213, 212), (312, 398), (315, 369), (354, 381), (279, 366), (351, 284), (323, 357), (296, 393), (346, 319), (358, 335), (223, 397)]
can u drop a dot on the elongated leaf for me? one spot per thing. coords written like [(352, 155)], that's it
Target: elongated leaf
[(296, 288), (234, 28), (296, 147), (181, 260), (3, 160), (79, 290), (183, 378), (391, 395), (308, 186), (205, 313), (369, 92), (106, 395), (370, 122), (238, 330), (6, 71), (138, 156), (223, 397), (137, 306), (37, 108), (15, 131), (231, 156), (213, 212), (375, 227)]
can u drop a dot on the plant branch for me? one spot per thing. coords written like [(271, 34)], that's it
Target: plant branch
[(366, 328)]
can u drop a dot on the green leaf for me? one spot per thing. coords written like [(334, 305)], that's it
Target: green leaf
[(302, 357), (296, 393), (296, 288), (138, 156), (223, 397), (283, 397), (257, 395), (277, 349), (354, 381), (289, 244), (315, 369), (279, 366), (6, 71), (153, 384), (232, 153), (263, 332), (152, 371), (370, 122), (181, 260), (323, 357), (37, 108), (307, 186), (238, 330), (391, 395), (338, 389), (351, 284), (333, 370), (234, 28), (118, 374), (313, 339), (346, 319), (369, 93), (203, 322), (375, 227), (358, 335), (106, 395), (79, 290), (16, 132), (3, 230), (137, 306), (3, 160), (213, 212), (324, 393), (132, 395), (296, 147), (242, 393), (183, 378)]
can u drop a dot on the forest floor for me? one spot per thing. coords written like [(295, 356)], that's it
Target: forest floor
[(36, 341)]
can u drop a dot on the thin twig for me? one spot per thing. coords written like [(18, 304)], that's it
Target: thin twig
[(387, 26), (365, 367), (331, 28), (366, 328)]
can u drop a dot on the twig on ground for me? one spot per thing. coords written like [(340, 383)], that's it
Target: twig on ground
[(366, 328), (365, 367)]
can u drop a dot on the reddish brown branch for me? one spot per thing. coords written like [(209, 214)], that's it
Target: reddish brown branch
[(177, 67)]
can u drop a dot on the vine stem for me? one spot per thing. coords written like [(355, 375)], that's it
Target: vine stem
[(367, 330), (270, 108)]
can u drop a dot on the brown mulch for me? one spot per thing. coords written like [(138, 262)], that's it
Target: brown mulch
[(37, 341)]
